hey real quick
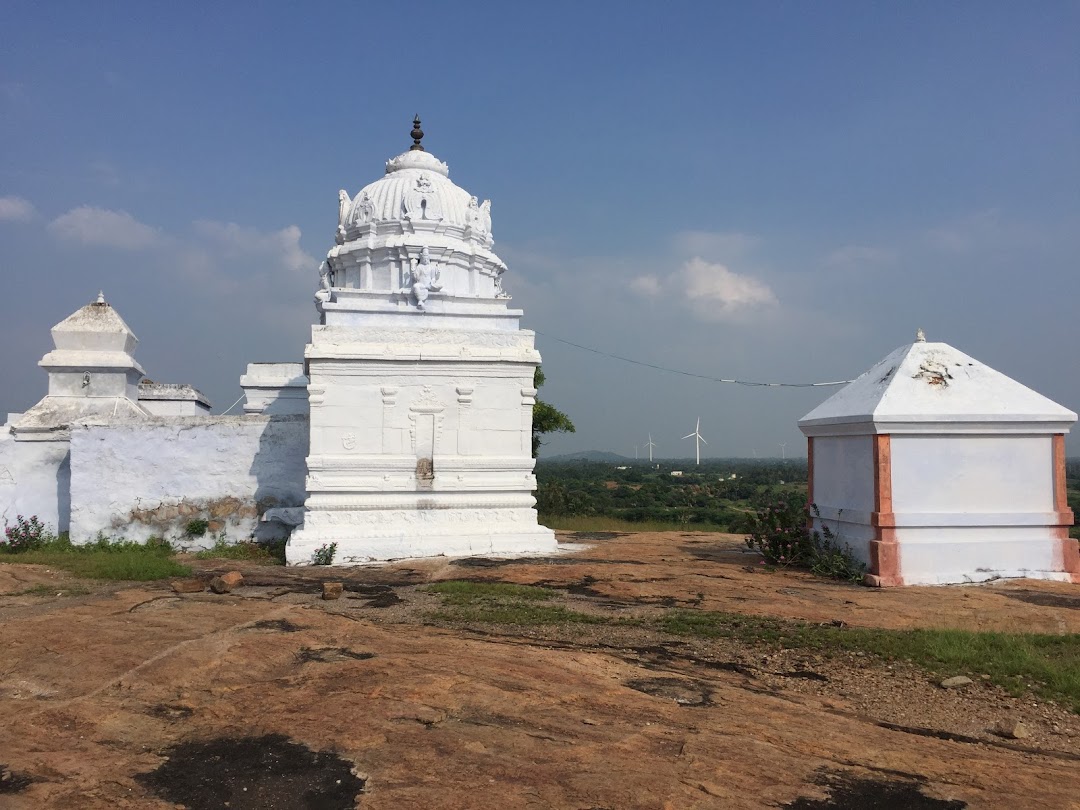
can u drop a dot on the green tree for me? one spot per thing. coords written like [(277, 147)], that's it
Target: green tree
[(546, 418)]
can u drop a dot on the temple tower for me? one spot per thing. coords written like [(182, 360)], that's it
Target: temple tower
[(420, 380)]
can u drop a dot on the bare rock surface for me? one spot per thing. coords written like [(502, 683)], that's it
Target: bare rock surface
[(99, 693)]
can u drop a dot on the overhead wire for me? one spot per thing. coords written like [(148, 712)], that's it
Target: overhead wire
[(748, 383)]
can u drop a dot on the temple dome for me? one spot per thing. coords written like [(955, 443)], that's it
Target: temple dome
[(415, 194), (416, 185), (412, 230)]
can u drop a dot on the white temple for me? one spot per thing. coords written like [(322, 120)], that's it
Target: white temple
[(934, 468), (406, 432), (420, 381)]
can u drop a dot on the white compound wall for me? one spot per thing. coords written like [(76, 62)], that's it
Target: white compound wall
[(151, 479), (34, 481)]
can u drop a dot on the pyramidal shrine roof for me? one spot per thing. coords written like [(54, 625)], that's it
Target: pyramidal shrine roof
[(927, 387), (93, 336)]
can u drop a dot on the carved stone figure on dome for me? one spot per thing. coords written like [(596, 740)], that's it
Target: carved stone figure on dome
[(499, 291), (343, 205), (422, 201), (485, 216), (472, 216), (326, 281), (424, 279), (363, 210)]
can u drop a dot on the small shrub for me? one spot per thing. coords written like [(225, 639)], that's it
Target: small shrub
[(324, 554), (197, 527), (782, 535), (159, 544), (27, 534), (262, 553)]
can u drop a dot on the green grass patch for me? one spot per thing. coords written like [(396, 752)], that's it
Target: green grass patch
[(53, 590), (460, 592), (105, 559), (571, 523), (258, 553), (504, 603), (1048, 665)]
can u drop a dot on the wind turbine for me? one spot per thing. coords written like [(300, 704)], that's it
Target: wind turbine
[(650, 445), (783, 452), (698, 439)]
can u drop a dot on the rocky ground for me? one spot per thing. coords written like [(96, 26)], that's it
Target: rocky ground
[(117, 696)]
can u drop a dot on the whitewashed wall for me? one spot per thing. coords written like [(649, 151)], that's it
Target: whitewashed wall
[(972, 508), (979, 474), (844, 472), (34, 481), (844, 490), (151, 479)]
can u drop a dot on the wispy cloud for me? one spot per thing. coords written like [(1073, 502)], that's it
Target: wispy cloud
[(219, 256), (233, 241), (972, 232), (715, 293), (16, 209), (714, 246), (105, 172), (858, 257), (710, 290), (101, 227), (648, 285)]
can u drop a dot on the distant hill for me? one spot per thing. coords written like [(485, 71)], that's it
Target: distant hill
[(587, 455)]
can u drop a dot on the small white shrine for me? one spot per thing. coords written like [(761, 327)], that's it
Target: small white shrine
[(420, 381), (93, 378), (934, 468)]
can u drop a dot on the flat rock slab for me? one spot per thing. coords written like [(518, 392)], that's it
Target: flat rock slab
[(98, 693)]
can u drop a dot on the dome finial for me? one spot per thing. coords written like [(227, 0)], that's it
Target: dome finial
[(417, 134), (100, 297), (920, 336)]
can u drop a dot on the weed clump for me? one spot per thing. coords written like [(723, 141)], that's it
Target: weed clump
[(27, 533), (248, 551), (197, 527), (324, 554), (782, 534)]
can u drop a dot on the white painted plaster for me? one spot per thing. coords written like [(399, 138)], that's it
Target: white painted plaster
[(151, 479), (844, 472), (972, 474), (420, 381), (275, 388), (34, 480), (172, 399)]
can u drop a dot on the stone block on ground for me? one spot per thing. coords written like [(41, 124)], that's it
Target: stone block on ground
[(191, 585), (332, 590), (226, 582)]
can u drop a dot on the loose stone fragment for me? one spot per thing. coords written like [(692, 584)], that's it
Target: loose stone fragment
[(226, 582), (188, 585), (955, 682), (332, 590), (1013, 729), (234, 578)]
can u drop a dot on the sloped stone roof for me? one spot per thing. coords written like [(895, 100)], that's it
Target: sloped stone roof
[(932, 387)]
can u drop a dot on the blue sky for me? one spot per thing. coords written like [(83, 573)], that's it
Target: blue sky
[(779, 191)]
